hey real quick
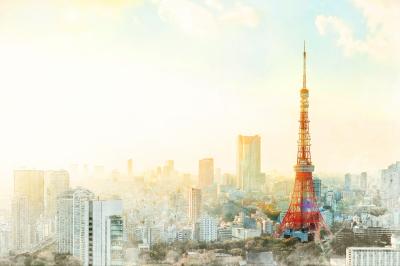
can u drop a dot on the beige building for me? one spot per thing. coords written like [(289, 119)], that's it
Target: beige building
[(194, 205), (206, 172), (248, 164), (29, 184), (55, 183)]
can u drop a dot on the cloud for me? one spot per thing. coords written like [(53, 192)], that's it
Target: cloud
[(241, 15), (206, 18), (381, 40), (345, 34), (189, 17)]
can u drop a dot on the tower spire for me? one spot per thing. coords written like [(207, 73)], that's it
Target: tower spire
[(304, 66)]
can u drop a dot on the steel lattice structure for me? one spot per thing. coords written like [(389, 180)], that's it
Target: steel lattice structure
[(303, 213)]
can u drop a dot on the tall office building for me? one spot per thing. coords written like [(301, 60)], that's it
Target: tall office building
[(206, 172), (168, 169), (390, 186), (364, 181), (100, 212), (30, 184), (248, 167), (55, 183), (20, 229), (347, 182), (114, 241), (73, 223), (130, 168), (317, 187), (194, 205)]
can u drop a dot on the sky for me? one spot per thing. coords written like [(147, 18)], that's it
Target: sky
[(101, 81)]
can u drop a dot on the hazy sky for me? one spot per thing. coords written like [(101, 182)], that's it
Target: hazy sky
[(100, 81)]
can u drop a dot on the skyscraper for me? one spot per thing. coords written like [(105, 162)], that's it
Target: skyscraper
[(30, 184), (100, 212), (390, 186), (206, 172), (73, 223), (20, 227), (194, 205), (55, 183), (347, 182), (248, 167), (129, 167), (363, 181), (317, 187), (168, 169), (114, 241)]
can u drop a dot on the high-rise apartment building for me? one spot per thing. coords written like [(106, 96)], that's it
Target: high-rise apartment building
[(194, 205), (208, 229), (73, 223), (55, 183), (206, 172), (248, 165), (20, 227)]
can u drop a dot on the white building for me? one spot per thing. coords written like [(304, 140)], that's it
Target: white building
[(100, 212), (5, 239), (55, 183), (208, 229), (244, 233), (73, 223), (115, 241), (20, 228), (390, 186), (374, 256)]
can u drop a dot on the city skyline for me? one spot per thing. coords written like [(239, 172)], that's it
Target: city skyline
[(165, 132), (94, 89)]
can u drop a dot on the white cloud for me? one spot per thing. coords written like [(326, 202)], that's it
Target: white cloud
[(206, 18), (345, 34), (191, 18), (381, 40), (241, 15)]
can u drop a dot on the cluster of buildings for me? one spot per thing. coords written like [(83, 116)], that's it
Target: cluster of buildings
[(33, 216), (90, 229), (46, 211)]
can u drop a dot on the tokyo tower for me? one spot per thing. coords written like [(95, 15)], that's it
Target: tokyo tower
[(303, 216)]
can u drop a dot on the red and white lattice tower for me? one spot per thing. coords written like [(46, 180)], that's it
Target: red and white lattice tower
[(303, 213)]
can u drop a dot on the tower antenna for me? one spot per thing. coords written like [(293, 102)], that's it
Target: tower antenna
[(304, 66)]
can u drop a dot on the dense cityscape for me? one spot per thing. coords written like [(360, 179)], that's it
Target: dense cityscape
[(165, 217), (199, 132)]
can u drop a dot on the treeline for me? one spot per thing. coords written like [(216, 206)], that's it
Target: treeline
[(286, 251)]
